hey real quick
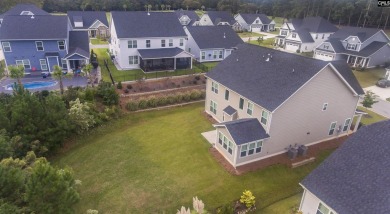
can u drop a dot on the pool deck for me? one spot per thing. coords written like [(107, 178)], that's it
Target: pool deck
[(74, 81)]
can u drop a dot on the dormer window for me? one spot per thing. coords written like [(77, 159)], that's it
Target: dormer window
[(78, 21), (351, 46), (294, 35), (257, 21), (26, 13)]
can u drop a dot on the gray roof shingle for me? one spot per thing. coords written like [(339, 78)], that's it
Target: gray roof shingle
[(221, 36), (159, 53), (19, 8), (139, 24), (251, 17), (365, 52), (314, 25), (245, 130), (39, 27), (87, 17), (229, 110), (362, 33), (78, 43), (221, 16), (356, 177), (270, 83)]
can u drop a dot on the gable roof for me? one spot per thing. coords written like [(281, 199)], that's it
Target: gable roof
[(251, 17), (221, 16), (19, 8), (244, 130), (229, 110), (87, 17), (314, 25), (39, 27), (159, 53), (78, 44), (220, 36), (304, 35), (270, 83), (356, 177), (190, 13), (365, 52), (362, 33), (139, 24)]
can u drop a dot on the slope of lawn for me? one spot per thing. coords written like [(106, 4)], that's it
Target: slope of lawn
[(369, 77), (156, 161), (372, 117), (284, 206)]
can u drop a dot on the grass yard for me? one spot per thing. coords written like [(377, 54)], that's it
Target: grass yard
[(372, 118), (210, 65), (278, 21), (265, 43), (98, 42), (369, 77), (284, 206), (249, 34), (156, 161)]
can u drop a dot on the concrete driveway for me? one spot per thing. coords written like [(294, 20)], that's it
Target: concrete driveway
[(383, 93), (382, 107)]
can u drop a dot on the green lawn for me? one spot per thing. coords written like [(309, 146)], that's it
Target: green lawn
[(98, 42), (372, 118), (276, 32), (155, 162), (210, 65), (278, 21), (265, 43), (249, 34), (199, 12), (284, 206), (369, 77)]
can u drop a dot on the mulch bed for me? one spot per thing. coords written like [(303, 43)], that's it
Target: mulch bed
[(313, 151)]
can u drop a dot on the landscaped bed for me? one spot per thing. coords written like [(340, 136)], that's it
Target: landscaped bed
[(156, 161)]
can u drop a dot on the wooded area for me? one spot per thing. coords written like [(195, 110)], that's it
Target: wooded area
[(344, 12)]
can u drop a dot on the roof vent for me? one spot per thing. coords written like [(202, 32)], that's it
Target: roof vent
[(32, 17), (148, 13), (224, 35), (237, 59), (293, 70)]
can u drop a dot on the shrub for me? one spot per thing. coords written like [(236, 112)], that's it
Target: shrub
[(171, 99), (197, 77), (248, 199), (129, 87), (195, 82), (119, 85), (195, 95), (226, 209), (90, 94), (187, 97), (132, 106), (152, 102), (107, 92), (142, 104), (126, 91), (203, 94), (179, 97), (162, 101)]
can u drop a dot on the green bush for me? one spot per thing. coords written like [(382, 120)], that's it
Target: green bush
[(132, 106), (143, 104), (162, 101), (187, 97), (152, 102), (203, 94), (248, 199), (89, 94), (107, 92), (171, 99), (119, 85), (195, 95), (179, 97)]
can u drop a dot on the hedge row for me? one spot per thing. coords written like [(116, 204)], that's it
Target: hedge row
[(152, 101)]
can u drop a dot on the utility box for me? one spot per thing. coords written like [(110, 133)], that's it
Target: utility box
[(302, 150)]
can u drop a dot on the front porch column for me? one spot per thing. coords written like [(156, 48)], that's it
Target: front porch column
[(174, 63), (68, 66), (354, 64), (348, 58), (357, 123), (190, 63)]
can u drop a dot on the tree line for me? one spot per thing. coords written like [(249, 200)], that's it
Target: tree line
[(342, 12)]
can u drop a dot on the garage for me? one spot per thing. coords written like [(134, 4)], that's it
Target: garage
[(292, 46), (323, 56)]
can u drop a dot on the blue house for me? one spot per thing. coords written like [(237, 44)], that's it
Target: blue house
[(40, 42)]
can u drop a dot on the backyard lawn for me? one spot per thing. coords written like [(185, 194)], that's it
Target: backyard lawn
[(284, 206), (372, 116), (98, 42), (278, 21), (249, 34), (369, 77), (155, 162), (265, 43)]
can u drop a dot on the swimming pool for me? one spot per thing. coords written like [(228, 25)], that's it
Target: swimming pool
[(34, 85)]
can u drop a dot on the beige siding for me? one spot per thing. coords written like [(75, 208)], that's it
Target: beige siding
[(223, 151), (310, 202), (301, 120)]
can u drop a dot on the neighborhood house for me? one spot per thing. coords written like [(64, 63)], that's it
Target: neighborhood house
[(266, 101), (213, 18), (253, 22), (94, 22)]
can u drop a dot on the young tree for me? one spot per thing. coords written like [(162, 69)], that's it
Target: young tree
[(81, 116), (59, 75), (163, 7), (91, 75), (124, 6), (17, 72), (369, 99)]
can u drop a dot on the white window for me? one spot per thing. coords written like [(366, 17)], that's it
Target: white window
[(322, 209), (346, 124), (215, 54), (325, 106), (25, 63), (250, 108), (230, 147), (148, 43), (214, 87), (220, 138), (351, 46), (39, 46), (283, 33), (61, 45), (203, 55), (251, 148), (213, 107), (43, 64), (220, 54), (332, 128), (163, 43), (64, 64), (181, 42), (133, 60), (6, 47), (294, 35), (132, 44), (264, 117), (170, 42)]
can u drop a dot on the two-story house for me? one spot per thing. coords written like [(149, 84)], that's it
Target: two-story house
[(304, 35), (187, 17), (94, 22), (211, 43), (254, 22), (353, 179), (359, 47), (151, 41), (267, 100), (211, 18), (40, 42)]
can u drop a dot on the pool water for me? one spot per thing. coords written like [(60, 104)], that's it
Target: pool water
[(34, 85)]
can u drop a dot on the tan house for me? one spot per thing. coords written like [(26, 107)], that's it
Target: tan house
[(95, 22), (267, 101)]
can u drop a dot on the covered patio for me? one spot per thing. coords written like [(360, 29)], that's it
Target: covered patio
[(164, 59), (357, 61)]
